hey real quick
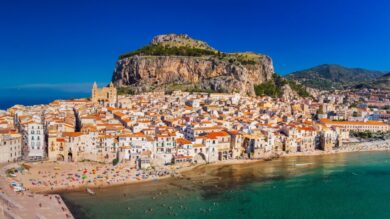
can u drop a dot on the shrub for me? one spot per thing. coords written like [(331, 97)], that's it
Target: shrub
[(115, 161)]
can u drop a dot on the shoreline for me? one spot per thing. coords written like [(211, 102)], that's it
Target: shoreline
[(308, 154), (41, 193), (57, 189), (247, 161), (221, 163)]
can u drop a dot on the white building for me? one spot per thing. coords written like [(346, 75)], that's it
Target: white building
[(34, 139)]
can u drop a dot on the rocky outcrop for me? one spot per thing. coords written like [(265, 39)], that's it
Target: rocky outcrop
[(179, 40), (221, 73), (288, 93)]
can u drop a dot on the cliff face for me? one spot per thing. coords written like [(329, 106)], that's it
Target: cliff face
[(220, 73)]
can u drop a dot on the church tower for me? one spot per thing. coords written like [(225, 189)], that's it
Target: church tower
[(106, 95), (94, 92)]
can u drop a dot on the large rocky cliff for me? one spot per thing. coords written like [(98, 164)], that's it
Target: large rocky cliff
[(174, 62)]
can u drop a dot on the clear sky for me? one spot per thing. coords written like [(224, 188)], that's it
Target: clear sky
[(72, 43)]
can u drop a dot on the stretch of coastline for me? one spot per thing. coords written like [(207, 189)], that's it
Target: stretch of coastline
[(274, 189), (56, 177), (44, 180)]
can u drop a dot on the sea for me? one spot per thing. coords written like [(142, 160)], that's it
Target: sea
[(347, 185), (29, 97)]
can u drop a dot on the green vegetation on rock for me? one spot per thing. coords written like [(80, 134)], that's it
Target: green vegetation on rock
[(299, 88), (124, 90), (182, 45), (161, 50), (246, 58), (243, 58), (273, 88)]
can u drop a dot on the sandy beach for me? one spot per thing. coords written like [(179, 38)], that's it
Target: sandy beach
[(27, 204), (42, 180), (56, 177)]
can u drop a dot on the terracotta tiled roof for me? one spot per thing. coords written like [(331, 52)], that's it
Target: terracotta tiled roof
[(183, 141), (72, 134)]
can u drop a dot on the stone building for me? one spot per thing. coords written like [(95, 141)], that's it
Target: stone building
[(10, 147), (106, 96)]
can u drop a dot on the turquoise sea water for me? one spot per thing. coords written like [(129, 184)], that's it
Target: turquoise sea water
[(354, 185)]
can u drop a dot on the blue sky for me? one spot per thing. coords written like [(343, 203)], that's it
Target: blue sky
[(77, 42)]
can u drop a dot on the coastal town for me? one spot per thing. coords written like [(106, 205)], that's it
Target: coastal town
[(110, 139), (194, 109), (157, 129)]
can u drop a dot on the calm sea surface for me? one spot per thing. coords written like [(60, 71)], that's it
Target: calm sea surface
[(354, 185), (34, 98)]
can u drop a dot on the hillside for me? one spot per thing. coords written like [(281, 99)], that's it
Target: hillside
[(330, 76), (382, 82), (178, 62)]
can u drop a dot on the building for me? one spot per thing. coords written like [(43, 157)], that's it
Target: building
[(106, 96), (10, 147), (371, 126), (34, 141), (33, 136)]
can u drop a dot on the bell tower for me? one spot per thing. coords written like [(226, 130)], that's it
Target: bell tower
[(94, 92)]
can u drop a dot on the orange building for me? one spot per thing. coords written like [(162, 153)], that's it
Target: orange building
[(106, 95)]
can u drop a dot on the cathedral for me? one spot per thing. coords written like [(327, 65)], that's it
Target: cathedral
[(106, 96)]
